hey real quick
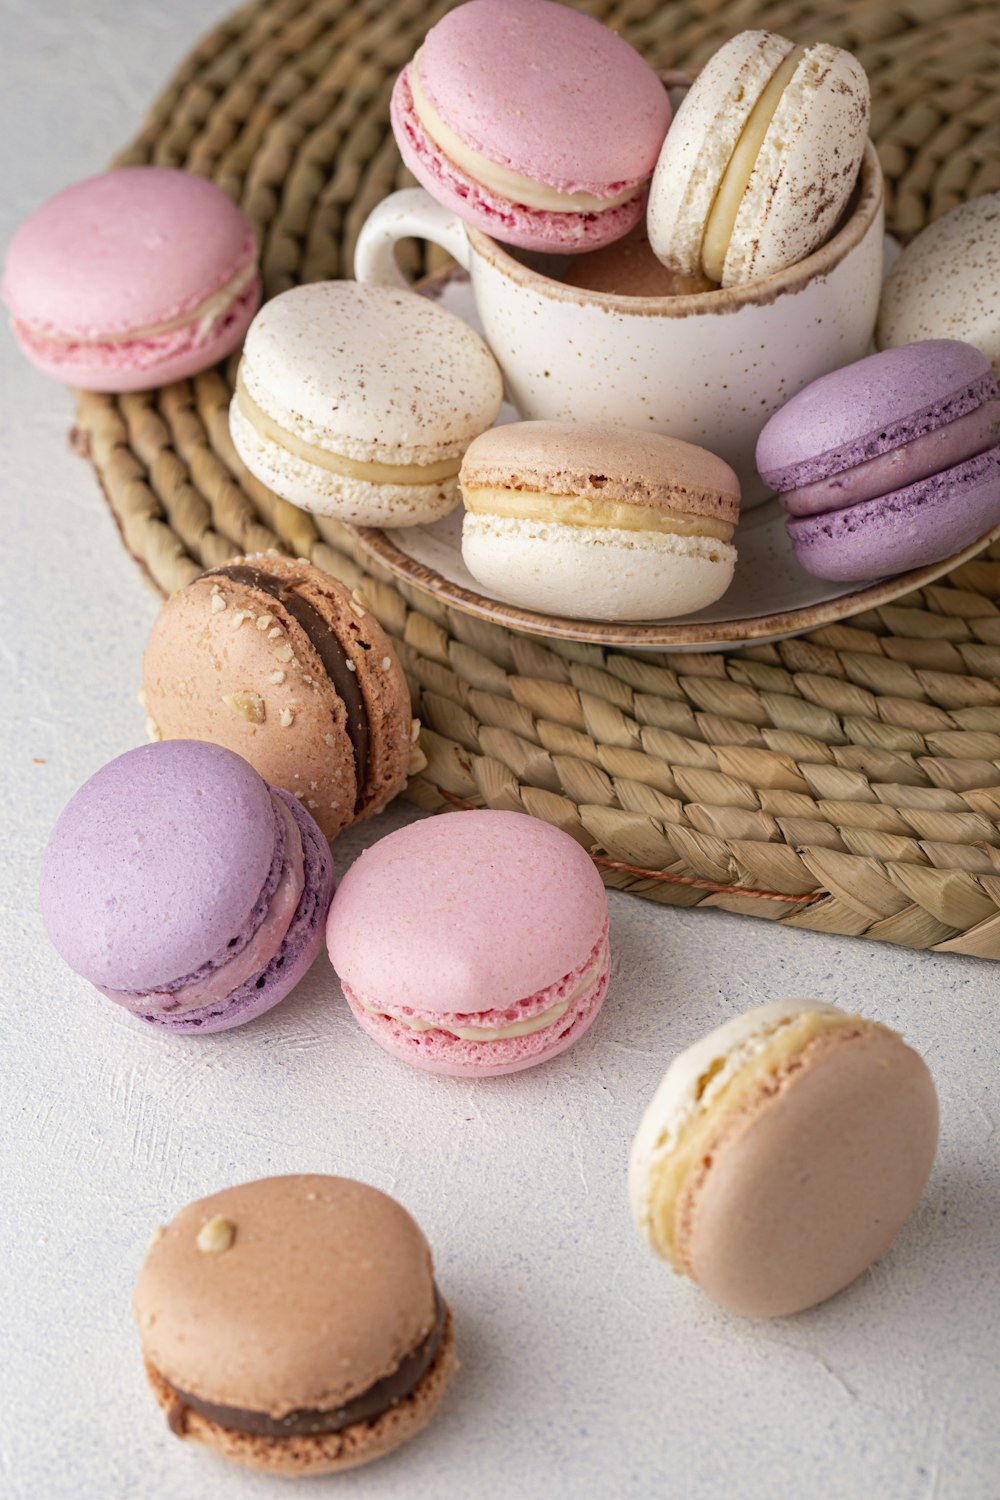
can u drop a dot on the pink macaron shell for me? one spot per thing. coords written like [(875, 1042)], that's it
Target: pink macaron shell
[(124, 251), (465, 913), (547, 92), (452, 1057), (141, 364), (512, 223)]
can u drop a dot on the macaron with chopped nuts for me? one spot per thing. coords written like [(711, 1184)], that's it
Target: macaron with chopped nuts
[(276, 660), (357, 402), (599, 522), (293, 1325)]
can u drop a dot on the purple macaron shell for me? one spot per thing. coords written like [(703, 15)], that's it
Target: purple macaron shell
[(301, 945), (161, 868), (920, 524), (157, 863), (870, 407)]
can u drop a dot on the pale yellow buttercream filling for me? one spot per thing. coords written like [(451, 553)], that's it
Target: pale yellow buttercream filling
[(498, 179), (202, 318), (512, 1028), (726, 205), (789, 1039), (338, 463), (589, 510)]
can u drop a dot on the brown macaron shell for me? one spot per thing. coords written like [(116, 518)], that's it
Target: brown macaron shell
[(808, 1183), (324, 1288), (603, 462), (228, 662)]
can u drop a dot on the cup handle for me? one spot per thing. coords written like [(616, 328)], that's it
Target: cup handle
[(409, 213)]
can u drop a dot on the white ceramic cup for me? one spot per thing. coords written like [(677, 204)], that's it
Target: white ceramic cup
[(709, 367)]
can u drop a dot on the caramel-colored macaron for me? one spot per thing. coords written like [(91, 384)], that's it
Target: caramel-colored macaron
[(293, 1324), (782, 1153), (274, 659)]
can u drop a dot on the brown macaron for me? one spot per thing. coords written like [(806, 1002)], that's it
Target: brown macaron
[(782, 1153), (274, 659), (293, 1324)]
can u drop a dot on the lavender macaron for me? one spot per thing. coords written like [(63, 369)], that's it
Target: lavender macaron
[(889, 463), (185, 888)]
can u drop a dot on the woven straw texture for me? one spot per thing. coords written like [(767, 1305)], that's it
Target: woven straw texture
[(847, 781)]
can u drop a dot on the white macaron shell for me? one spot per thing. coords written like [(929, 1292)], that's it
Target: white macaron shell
[(358, 501), (677, 1102), (595, 573), (946, 283), (806, 167), (370, 373), (701, 141)]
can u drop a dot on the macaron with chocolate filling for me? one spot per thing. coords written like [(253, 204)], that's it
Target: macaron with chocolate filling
[(598, 521), (293, 1324), (276, 660)]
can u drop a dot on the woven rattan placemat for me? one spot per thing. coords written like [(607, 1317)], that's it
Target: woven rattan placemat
[(846, 781)]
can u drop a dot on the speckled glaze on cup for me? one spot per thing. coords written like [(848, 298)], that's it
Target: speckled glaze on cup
[(708, 367)]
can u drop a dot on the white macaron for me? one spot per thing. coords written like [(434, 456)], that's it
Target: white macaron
[(760, 160), (358, 402), (946, 283)]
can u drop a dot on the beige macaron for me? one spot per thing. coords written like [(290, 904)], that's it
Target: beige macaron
[(760, 160), (293, 1324), (782, 1153), (274, 659), (946, 283), (595, 521), (357, 402)]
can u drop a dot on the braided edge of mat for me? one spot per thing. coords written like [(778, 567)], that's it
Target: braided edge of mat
[(845, 782)]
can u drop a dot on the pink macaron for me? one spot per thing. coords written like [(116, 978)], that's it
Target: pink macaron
[(533, 122), (472, 944), (132, 279)]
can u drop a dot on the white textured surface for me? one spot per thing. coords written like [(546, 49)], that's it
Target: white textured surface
[(587, 1370)]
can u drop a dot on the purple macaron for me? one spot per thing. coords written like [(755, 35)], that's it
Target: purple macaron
[(890, 463), (185, 888)]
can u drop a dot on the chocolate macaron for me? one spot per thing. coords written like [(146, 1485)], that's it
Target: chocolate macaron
[(274, 659), (293, 1324)]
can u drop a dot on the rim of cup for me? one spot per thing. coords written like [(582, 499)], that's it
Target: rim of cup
[(868, 199)]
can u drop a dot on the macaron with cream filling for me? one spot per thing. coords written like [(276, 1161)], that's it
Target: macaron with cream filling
[(357, 402), (533, 122), (781, 1155), (132, 279), (597, 521), (889, 463), (760, 160), (185, 888), (293, 1325), (473, 944)]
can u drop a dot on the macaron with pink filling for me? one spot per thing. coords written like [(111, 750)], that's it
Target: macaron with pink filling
[(132, 279), (472, 944), (532, 122), (185, 888)]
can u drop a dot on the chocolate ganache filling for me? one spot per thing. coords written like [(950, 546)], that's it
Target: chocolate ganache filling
[(331, 653), (306, 1421)]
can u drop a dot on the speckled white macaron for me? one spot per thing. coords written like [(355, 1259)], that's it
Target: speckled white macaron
[(760, 160), (946, 283), (358, 402)]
